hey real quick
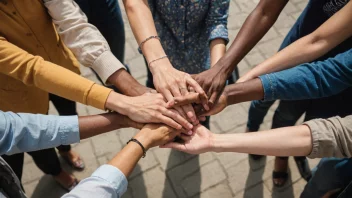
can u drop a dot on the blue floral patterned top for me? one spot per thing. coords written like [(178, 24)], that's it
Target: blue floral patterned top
[(186, 28)]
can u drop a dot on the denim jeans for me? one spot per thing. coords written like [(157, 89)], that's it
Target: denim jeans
[(330, 174)]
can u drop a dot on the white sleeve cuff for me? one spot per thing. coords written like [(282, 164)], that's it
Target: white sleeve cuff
[(106, 64)]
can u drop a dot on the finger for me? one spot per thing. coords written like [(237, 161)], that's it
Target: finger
[(213, 98), (170, 122), (188, 110), (202, 118), (184, 100), (202, 95), (176, 116), (167, 95)]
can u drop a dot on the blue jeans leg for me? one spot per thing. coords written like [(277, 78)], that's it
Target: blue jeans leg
[(330, 174)]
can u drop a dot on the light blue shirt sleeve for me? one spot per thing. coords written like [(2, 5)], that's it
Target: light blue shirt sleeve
[(106, 182), (24, 132), (310, 80)]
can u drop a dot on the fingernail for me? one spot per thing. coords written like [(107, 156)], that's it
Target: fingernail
[(190, 126), (189, 132), (206, 107), (191, 116)]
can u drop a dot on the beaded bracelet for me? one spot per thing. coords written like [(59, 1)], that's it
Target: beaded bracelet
[(147, 39), (156, 60), (140, 144)]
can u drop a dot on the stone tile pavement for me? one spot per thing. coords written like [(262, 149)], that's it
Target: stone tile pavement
[(169, 174)]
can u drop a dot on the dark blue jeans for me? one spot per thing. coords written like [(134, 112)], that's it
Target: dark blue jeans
[(331, 173), (106, 16)]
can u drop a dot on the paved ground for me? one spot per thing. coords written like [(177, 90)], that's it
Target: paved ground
[(166, 173)]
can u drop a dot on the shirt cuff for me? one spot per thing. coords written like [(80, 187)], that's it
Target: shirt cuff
[(69, 130), (269, 86), (97, 96), (106, 64), (315, 138), (219, 31), (113, 176)]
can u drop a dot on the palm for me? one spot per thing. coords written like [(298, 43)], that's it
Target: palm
[(200, 142)]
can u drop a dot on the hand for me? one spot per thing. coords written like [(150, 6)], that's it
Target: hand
[(200, 142), (147, 108), (213, 82), (194, 98), (154, 135), (125, 122), (173, 83)]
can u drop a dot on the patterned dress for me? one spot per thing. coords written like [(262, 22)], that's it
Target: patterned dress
[(186, 28)]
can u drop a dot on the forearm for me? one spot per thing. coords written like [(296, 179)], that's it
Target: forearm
[(288, 141), (242, 92), (311, 47), (127, 158), (142, 24), (256, 25), (217, 50), (125, 83), (97, 124)]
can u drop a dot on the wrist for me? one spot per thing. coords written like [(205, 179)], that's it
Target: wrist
[(117, 102), (224, 66), (160, 66), (144, 139), (214, 143)]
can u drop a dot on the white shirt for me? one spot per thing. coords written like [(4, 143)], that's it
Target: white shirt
[(82, 38)]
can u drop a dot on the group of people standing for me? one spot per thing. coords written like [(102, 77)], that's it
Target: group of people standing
[(190, 77)]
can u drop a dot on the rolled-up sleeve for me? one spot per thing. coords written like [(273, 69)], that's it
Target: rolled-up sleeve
[(82, 38), (30, 132), (331, 137), (216, 20), (310, 80), (106, 182)]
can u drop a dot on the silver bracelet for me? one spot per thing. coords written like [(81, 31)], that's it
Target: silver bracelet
[(147, 39), (156, 60)]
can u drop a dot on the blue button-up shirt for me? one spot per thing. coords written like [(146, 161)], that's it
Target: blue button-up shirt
[(186, 29), (29, 132)]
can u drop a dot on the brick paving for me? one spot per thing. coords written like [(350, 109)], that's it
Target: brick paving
[(167, 173)]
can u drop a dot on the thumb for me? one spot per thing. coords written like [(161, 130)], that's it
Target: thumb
[(174, 145)]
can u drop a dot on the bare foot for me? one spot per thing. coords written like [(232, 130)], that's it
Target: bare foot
[(73, 159), (281, 166), (66, 180)]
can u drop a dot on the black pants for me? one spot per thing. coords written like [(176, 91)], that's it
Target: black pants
[(47, 159)]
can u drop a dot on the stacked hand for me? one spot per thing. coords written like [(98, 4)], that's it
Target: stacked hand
[(200, 142), (173, 83), (147, 108), (155, 134), (193, 98), (213, 82)]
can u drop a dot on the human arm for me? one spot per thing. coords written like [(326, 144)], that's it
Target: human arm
[(24, 132), (82, 38), (216, 22), (35, 71), (256, 25), (316, 138), (167, 80), (90, 47), (109, 181), (330, 34), (306, 81)]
